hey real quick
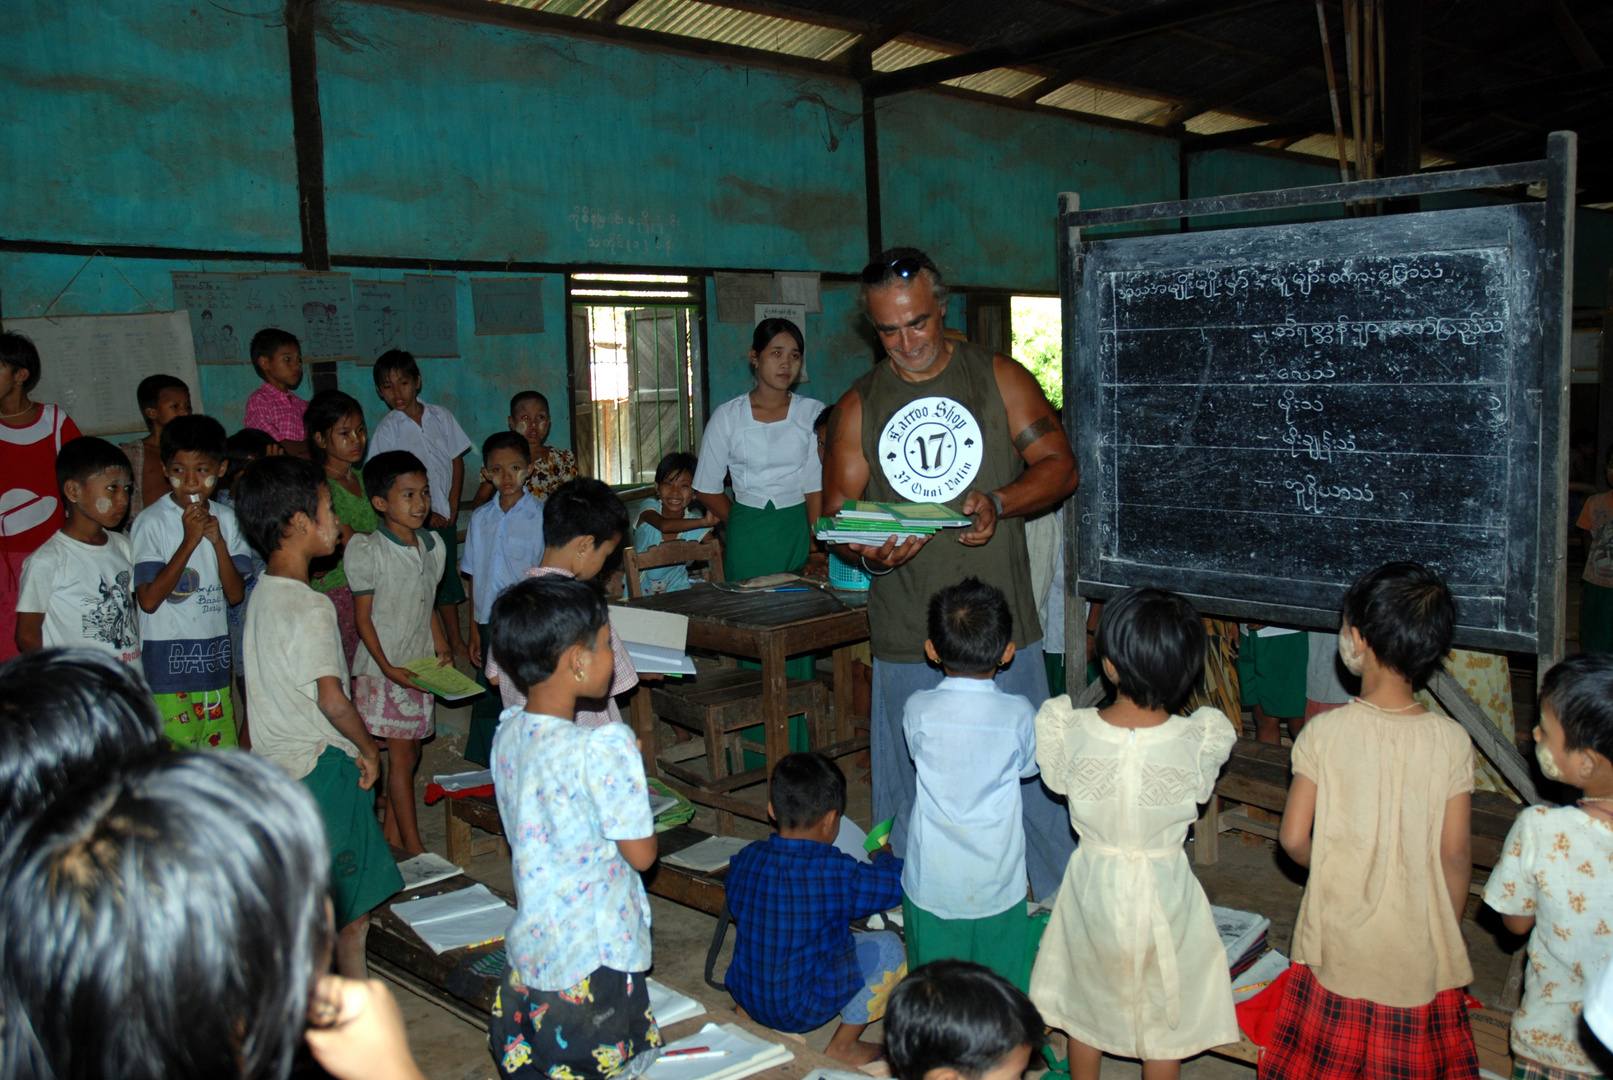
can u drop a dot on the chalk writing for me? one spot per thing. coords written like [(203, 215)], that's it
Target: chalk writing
[(611, 230)]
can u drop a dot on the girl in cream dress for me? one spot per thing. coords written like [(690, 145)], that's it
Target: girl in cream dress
[(1131, 963)]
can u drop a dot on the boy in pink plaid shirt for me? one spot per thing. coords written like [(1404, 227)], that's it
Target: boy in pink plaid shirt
[(273, 408)]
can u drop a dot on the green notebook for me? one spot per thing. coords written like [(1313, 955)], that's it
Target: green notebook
[(446, 682)]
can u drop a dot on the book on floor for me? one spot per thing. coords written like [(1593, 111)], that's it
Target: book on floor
[(730, 1052), (1241, 932), (427, 869), (462, 919), (708, 856), (669, 1006)]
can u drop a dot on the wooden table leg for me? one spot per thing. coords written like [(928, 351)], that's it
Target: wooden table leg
[(459, 846), (643, 720), (1207, 833), (775, 700), (843, 729)]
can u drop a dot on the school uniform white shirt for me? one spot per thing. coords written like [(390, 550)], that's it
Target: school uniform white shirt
[(500, 546), (971, 744), (437, 440), (86, 593), (775, 462)]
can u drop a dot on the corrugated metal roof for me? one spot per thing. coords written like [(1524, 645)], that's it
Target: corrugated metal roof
[(713, 23), (1103, 101)]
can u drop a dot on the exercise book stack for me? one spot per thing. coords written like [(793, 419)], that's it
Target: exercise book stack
[(873, 523), (725, 1052)]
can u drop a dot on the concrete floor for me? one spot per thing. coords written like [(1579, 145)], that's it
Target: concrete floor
[(1250, 875)]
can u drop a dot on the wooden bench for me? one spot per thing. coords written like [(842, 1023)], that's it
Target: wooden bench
[(1257, 775), (701, 891)]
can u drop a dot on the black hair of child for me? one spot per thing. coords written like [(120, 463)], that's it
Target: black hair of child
[(506, 440), (1406, 614), (679, 461), (327, 409), (271, 492), (383, 470), (267, 342), (822, 421), (1156, 641), (85, 457), (245, 447), (67, 715), (148, 395), (970, 626), (951, 1014), (395, 360), (195, 434), (169, 923), (18, 353), (583, 507), (536, 620), (527, 395), (803, 788), (1580, 691)]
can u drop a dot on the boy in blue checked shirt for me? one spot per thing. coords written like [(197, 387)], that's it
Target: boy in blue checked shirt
[(796, 962)]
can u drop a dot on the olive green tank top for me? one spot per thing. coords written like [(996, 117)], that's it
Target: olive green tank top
[(936, 441)]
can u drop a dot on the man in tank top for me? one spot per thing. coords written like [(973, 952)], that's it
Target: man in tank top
[(946, 421)]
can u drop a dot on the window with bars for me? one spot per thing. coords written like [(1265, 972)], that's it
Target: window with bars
[(637, 378)]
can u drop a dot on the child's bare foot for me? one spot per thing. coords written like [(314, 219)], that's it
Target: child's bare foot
[(847, 1046)]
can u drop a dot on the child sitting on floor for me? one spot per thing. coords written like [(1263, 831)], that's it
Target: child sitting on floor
[(190, 564), (1379, 960), (394, 573), (161, 398), (583, 525), (77, 588), (674, 480), (952, 1020), (573, 1002), (796, 962), (963, 889), (1546, 883), (302, 718), (1131, 963)]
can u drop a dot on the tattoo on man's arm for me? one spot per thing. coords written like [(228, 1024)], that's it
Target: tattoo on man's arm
[(1045, 426)]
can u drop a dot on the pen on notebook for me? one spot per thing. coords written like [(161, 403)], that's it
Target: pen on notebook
[(695, 1052)]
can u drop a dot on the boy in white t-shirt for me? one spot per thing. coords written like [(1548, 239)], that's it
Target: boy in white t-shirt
[(190, 564), (296, 683), (77, 588)]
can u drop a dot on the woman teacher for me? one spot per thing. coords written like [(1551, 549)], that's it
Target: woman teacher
[(764, 442)]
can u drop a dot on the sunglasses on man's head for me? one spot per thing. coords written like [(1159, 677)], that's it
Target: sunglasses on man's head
[(905, 268)]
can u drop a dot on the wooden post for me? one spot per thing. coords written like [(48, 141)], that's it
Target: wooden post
[(1556, 328), (1486, 736)]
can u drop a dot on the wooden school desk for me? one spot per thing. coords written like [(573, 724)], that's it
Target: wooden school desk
[(769, 627)]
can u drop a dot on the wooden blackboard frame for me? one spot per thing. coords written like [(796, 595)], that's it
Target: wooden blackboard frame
[(1543, 633)]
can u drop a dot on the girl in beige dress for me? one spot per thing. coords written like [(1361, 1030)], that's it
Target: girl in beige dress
[(1131, 963)]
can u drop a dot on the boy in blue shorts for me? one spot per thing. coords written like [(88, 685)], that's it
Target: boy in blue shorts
[(796, 962), (296, 678)]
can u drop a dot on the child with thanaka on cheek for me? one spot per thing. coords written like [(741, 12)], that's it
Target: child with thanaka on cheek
[(393, 573), (1551, 880), (77, 587), (334, 424), (190, 564), (161, 398), (1379, 811), (573, 1002), (674, 488), (529, 417)]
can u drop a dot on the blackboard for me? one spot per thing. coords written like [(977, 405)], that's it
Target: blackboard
[(1264, 414)]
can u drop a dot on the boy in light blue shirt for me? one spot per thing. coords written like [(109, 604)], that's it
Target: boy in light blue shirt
[(502, 541), (963, 886)]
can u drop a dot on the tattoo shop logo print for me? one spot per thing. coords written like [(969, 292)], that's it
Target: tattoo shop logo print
[(931, 450)]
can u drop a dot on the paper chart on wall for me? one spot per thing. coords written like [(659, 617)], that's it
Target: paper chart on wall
[(380, 317), (433, 303), (507, 305), (91, 364), (327, 315), (213, 301)]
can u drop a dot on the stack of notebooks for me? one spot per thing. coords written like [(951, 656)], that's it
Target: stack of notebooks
[(725, 1052), (873, 523), (1244, 935)]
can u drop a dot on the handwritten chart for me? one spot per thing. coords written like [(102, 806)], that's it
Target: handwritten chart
[(1271, 412)]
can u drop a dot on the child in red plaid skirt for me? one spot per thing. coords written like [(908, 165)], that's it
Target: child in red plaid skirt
[(1380, 963)]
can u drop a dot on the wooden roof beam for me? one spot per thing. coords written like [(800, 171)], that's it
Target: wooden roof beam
[(861, 54), (1229, 92), (1568, 29), (1150, 20), (612, 10)]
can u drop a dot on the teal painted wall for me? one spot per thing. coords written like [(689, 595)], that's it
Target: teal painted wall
[(157, 123), (163, 122)]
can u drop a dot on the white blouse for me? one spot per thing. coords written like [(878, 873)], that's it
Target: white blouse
[(775, 462)]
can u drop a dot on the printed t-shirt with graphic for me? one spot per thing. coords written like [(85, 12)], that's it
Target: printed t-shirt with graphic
[(86, 594), (291, 641), (1596, 518), (186, 641), (1557, 864), (437, 441)]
